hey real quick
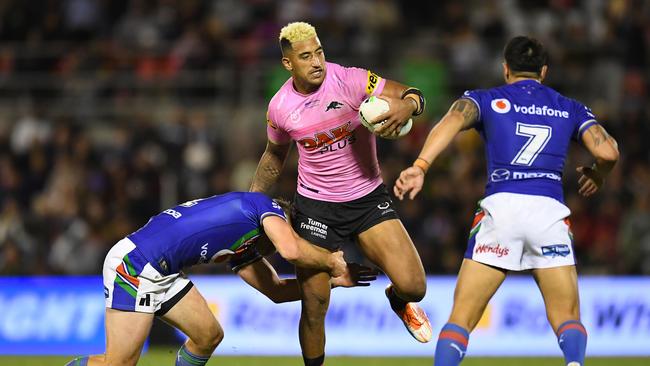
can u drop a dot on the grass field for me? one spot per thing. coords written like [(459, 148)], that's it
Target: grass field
[(165, 357)]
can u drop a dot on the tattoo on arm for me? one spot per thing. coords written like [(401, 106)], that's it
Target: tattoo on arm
[(467, 109), (599, 135), (268, 170)]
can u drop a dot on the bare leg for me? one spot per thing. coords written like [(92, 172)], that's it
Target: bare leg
[(125, 335), (389, 246), (559, 287), (476, 285), (315, 293), (193, 317)]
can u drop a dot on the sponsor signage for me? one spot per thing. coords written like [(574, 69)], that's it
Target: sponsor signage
[(65, 315)]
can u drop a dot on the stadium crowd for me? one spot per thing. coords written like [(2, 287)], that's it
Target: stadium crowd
[(113, 110)]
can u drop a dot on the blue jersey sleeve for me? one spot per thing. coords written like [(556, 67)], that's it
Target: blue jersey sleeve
[(584, 119), (262, 206), (258, 207)]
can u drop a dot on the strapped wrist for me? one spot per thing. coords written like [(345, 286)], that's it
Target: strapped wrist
[(420, 97)]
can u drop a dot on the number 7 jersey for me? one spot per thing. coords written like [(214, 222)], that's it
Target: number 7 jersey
[(527, 128)]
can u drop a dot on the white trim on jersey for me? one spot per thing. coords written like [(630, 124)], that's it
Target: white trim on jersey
[(267, 213), (585, 123)]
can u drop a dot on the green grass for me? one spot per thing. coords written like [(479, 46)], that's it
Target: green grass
[(165, 357)]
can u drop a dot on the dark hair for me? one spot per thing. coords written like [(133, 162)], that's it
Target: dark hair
[(285, 45), (525, 54), (285, 204)]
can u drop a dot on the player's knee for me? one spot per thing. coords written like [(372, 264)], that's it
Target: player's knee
[(560, 314), (315, 301), (208, 340), (214, 338)]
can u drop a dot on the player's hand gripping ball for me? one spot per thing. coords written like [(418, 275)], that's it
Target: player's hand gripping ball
[(372, 108)]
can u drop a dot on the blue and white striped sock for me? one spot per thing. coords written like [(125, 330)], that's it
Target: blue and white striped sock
[(187, 358)]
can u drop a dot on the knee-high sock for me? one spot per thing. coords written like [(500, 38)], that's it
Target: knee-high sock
[(451, 346), (572, 338), (79, 361), (187, 358)]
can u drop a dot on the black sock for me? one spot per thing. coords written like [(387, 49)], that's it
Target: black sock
[(318, 361), (396, 303)]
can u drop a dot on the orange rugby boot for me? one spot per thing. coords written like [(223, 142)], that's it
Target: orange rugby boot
[(415, 320)]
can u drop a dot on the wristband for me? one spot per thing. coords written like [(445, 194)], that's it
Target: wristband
[(422, 164), (417, 93)]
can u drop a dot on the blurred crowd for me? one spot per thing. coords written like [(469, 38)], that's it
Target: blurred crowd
[(111, 110)]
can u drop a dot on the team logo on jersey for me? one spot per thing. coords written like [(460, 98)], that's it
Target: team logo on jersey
[(334, 105), (334, 139), (501, 105)]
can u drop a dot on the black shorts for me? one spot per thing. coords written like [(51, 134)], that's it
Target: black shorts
[(331, 224)]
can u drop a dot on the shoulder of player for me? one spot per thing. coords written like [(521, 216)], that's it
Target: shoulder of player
[(256, 196), (338, 71), (575, 106), (260, 206), (280, 95), (278, 108)]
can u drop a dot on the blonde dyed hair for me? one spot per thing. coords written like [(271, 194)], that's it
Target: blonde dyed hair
[(296, 32)]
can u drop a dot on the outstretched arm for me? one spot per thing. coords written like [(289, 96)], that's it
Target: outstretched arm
[(462, 115), (299, 252), (270, 166), (263, 277), (605, 149)]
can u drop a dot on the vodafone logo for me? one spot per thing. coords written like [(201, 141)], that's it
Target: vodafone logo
[(501, 105)]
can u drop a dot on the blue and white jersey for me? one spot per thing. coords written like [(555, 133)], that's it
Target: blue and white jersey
[(527, 128), (200, 230)]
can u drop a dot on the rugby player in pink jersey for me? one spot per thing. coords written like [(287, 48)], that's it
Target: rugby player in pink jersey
[(340, 194)]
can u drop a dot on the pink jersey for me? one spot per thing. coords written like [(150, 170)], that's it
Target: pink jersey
[(337, 155)]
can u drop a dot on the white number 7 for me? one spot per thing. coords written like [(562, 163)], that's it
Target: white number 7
[(538, 137)]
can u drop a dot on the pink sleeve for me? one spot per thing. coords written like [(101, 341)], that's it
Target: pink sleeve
[(274, 131), (361, 83)]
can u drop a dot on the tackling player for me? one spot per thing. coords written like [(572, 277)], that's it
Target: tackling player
[(340, 194), (143, 274), (522, 223)]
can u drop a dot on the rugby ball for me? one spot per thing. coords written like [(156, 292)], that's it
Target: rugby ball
[(372, 108)]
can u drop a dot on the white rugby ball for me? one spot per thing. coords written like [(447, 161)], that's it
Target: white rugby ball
[(372, 108)]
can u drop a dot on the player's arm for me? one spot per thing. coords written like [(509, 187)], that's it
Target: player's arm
[(404, 102), (270, 166), (299, 252), (605, 149), (263, 277), (462, 115)]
